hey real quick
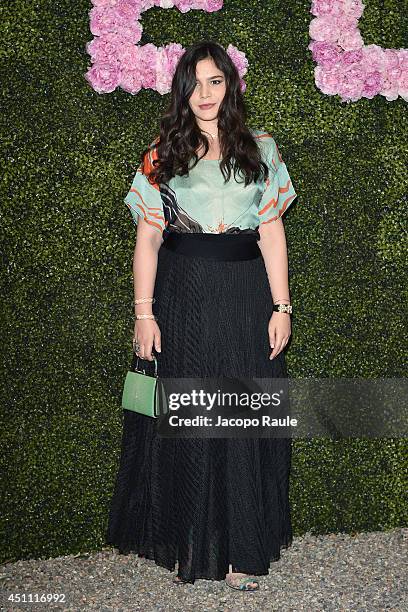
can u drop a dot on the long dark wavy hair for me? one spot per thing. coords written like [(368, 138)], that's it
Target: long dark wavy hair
[(180, 135)]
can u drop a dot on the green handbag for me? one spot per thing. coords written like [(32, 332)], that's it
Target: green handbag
[(143, 393)]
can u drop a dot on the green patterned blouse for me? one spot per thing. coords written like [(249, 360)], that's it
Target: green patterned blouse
[(202, 201)]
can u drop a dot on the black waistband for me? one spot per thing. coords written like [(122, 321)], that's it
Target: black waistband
[(221, 247)]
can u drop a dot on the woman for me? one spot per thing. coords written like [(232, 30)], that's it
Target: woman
[(211, 251)]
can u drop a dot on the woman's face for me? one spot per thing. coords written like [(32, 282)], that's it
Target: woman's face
[(210, 88)]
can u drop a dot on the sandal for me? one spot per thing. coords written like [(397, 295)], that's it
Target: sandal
[(243, 584)]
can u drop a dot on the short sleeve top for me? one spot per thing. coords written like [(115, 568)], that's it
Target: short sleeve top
[(202, 202)]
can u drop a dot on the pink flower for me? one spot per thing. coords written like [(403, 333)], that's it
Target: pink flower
[(145, 5), (104, 78), (132, 32), (162, 69), (130, 81), (403, 58), (213, 5), (374, 56), (325, 54), (352, 57), (351, 83), (331, 8), (147, 65), (327, 80), (391, 59), (130, 74), (174, 53), (352, 8), (129, 58), (165, 3), (105, 49), (350, 38), (183, 5), (128, 9), (403, 88), (239, 59), (104, 20), (104, 3), (324, 29), (372, 84)]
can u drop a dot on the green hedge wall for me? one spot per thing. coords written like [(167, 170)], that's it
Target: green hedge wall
[(67, 244)]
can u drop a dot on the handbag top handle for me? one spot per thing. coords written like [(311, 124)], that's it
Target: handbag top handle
[(155, 366)]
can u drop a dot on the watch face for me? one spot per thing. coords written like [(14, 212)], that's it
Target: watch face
[(283, 308)]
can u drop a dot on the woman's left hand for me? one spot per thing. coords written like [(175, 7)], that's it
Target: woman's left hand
[(279, 330)]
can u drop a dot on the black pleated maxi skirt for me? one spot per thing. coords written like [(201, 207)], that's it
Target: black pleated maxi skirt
[(205, 503)]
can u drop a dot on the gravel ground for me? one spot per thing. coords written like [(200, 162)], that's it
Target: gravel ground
[(335, 572)]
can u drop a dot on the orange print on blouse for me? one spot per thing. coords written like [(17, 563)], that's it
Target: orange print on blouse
[(219, 229), (147, 166), (150, 212), (274, 201)]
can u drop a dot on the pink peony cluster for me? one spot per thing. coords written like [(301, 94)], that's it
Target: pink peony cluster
[(344, 65), (117, 59)]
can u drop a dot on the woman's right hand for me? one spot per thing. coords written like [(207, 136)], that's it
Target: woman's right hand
[(148, 334)]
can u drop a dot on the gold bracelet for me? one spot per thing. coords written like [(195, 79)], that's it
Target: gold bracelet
[(282, 308), (145, 300)]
